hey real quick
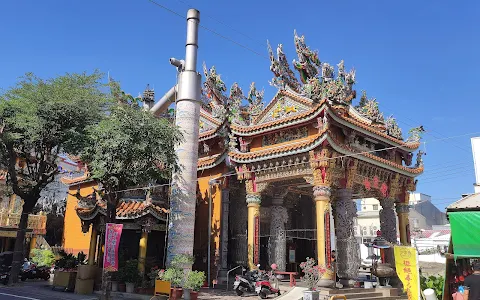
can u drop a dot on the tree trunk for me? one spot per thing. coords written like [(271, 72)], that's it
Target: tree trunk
[(18, 254)]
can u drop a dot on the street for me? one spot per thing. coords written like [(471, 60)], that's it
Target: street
[(37, 290)]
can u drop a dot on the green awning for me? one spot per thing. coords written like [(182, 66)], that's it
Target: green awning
[(465, 233)]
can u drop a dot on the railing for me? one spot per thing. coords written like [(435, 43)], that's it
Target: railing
[(38, 223), (229, 271)]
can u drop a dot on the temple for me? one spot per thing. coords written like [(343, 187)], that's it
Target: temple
[(281, 178)]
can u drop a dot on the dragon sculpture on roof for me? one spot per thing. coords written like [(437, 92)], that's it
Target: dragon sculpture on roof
[(318, 80)]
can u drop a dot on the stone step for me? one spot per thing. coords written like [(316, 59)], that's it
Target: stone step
[(346, 291), (371, 295)]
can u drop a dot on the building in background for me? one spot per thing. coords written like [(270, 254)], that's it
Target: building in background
[(423, 216)]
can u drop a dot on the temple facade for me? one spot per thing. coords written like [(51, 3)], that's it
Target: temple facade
[(281, 177)]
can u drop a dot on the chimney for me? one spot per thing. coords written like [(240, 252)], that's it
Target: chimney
[(476, 162)]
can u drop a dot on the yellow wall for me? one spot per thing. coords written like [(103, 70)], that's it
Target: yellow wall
[(74, 240), (201, 228)]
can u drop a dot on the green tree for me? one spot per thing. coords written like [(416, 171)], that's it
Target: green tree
[(38, 120), (130, 147)]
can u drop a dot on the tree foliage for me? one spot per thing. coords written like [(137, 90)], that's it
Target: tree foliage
[(129, 147), (41, 118), (38, 120)]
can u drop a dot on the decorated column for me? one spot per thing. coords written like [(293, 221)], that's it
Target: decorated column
[(278, 238), (93, 246), (348, 249), (33, 244), (253, 204), (388, 225), (321, 196), (403, 210), (142, 252), (224, 227)]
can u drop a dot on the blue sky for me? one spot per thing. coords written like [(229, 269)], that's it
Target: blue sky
[(420, 59)]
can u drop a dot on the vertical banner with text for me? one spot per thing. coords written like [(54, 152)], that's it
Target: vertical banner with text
[(407, 270), (113, 233)]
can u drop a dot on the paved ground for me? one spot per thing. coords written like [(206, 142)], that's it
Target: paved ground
[(38, 290), (41, 290)]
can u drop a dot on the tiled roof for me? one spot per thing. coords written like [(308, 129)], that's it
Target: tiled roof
[(469, 202), (304, 144), (377, 129), (210, 161), (126, 209), (283, 148), (75, 180)]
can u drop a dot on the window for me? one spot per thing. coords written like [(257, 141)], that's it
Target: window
[(415, 223), (375, 207)]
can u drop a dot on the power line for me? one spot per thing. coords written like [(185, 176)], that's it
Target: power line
[(225, 24), (211, 30)]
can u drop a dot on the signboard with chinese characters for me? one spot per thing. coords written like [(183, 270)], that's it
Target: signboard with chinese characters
[(407, 266), (256, 241), (328, 245), (113, 233)]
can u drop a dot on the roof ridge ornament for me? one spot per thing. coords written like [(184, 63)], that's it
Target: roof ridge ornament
[(416, 134), (392, 128), (369, 109)]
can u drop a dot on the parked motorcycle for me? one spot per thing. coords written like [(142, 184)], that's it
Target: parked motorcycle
[(35, 273), (245, 283), (264, 288)]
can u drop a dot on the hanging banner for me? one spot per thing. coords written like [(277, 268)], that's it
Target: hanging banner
[(256, 241), (113, 233), (328, 244), (407, 266)]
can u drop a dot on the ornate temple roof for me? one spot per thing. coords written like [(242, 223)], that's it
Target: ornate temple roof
[(127, 209), (320, 92)]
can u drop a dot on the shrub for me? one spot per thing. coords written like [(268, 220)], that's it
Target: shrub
[(43, 257), (312, 273), (195, 280), (433, 282), (130, 271)]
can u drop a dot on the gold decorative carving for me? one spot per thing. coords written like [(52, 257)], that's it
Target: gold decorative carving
[(243, 172), (394, 187), (351, 173), (249, 186)]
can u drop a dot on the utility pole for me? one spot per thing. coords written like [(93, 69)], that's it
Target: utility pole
[(184, 183)]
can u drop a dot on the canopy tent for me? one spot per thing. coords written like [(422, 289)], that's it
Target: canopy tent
[(466, 242)]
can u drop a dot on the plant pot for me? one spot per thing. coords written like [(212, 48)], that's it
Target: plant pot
[(122, 287), (186, 294), (114, 286), (176, 293), (311, 295), (130, 287), (193, 295)]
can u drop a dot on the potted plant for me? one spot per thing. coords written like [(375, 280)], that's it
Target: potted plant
[(162, 286), (114, 280), (193, 282), (130, 275), (312, 274), (175, 276), (65, 271)]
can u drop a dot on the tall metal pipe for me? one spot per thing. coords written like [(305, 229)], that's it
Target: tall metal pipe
[(165, 101), (184, 182)]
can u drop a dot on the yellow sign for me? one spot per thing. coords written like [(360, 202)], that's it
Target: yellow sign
[(406, 264)]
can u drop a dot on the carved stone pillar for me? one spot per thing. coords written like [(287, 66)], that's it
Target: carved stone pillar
[(388, 226), (224, 228), (253, 204), (403, 210), (348, 249), (388, 220), (278, 240)]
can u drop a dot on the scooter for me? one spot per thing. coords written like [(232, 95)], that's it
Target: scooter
[(35, 273), (263, 287), (245, 283)]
